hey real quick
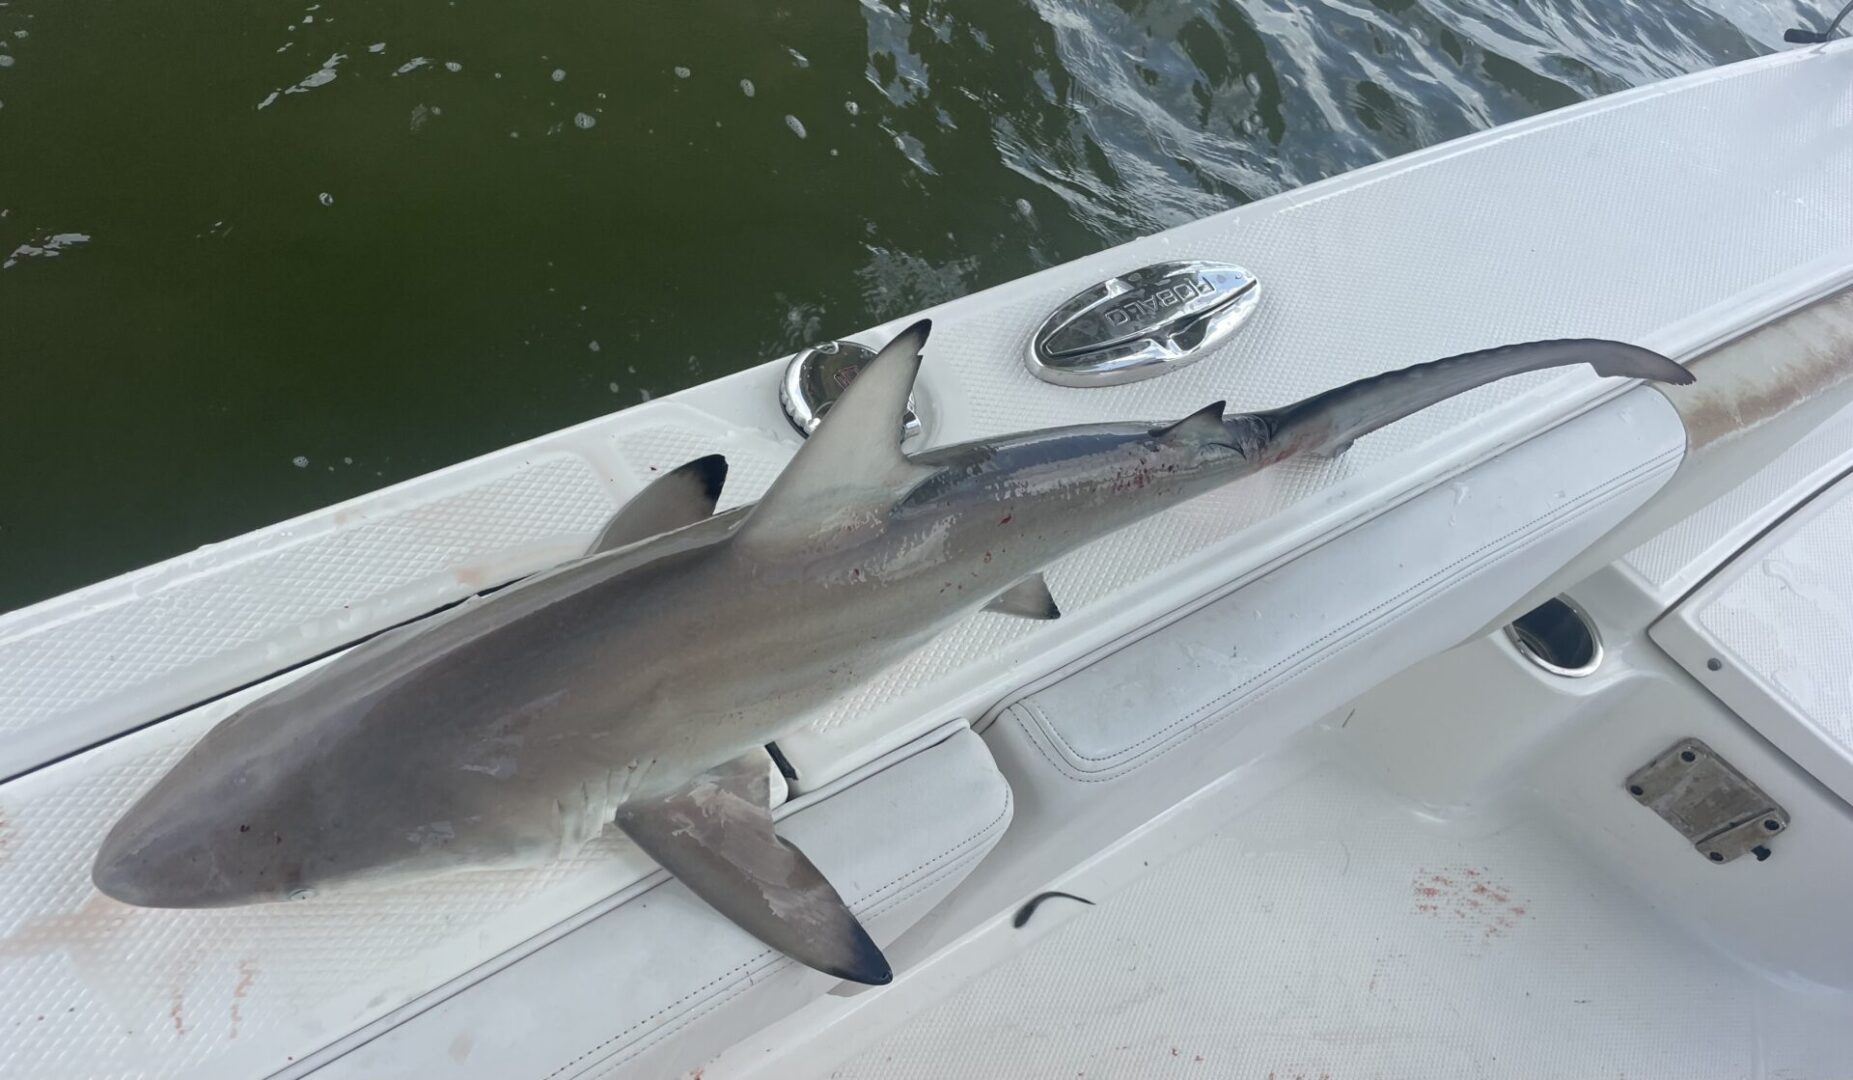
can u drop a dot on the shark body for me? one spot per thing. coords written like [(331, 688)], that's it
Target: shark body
[(636, 685)]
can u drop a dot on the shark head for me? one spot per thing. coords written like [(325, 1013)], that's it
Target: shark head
[(292, 796), (223, 827)]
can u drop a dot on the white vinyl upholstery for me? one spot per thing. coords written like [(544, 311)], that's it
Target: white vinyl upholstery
[(252, 991), (658, 984), (1285, 647), (1556, 226)]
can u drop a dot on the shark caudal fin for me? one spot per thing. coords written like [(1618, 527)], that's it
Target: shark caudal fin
[(716, 836), (1329, 423), (852, 464)]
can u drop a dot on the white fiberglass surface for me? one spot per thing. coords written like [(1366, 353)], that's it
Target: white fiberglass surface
[(1558, 226), (1337, 930)]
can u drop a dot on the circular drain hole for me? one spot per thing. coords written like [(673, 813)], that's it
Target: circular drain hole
[(1559, 637)]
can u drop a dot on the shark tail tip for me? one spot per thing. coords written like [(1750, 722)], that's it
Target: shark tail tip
[(1615, 358)]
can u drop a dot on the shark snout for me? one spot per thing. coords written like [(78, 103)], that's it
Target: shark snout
[(175, 851)]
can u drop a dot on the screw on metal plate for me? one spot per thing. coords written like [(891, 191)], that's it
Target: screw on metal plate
[(1709, 802), (818, 375)]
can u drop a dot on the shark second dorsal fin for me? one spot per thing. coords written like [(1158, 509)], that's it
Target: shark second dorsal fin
[(853, 463), (715, 835), (1200, 428), (679, 497)]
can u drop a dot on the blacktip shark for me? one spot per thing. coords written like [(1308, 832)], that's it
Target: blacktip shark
[(638, 684)]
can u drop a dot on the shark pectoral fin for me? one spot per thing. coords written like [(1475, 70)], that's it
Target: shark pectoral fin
[(852, 463), (716, 836), (1028, 598), (679, 497)]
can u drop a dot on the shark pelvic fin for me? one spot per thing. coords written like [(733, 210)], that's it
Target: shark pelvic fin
[(853, 461), (1029, 599), (1202, 428), (679, 497), (716, 836)]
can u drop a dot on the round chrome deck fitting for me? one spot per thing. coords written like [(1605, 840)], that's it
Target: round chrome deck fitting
[(1559, 637), (818, 375)]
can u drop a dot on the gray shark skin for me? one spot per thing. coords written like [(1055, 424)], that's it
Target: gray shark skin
[(636, 684)]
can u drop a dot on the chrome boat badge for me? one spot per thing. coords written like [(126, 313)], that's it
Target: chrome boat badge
[(1143, 323), (818, 375)]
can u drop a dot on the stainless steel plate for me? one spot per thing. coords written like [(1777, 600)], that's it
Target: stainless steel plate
[(1713, 805), (1143, 323)]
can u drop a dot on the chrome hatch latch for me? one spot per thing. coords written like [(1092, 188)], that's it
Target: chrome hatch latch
[(1143, 323)]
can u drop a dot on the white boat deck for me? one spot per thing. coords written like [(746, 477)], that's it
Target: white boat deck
[(1331, 930), (1674, 216)]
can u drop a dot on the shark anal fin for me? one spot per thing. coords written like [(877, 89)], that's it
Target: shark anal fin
[(716, 836), (1029, 599), (852, 464), (682, 496)]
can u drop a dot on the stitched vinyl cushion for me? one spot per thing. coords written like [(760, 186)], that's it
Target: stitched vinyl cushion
[(662, 983), (1496, 530)]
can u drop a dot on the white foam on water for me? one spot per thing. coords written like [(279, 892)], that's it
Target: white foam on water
[(321, 76), (49, 248)]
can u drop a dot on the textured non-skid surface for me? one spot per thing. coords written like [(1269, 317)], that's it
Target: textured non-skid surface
[(603, 1000), (1333, 933), (1675, 560), (1563, 229), (71, 671), (1558, 226), (91, 988), (1772, 636), (1561, 225)]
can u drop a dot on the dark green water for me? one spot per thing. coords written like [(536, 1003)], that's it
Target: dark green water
[(385, 237)]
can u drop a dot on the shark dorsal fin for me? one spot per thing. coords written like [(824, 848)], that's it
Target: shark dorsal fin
[(1027, 599), (679, 497), (853, 463), (715, 835), (1201, 427)]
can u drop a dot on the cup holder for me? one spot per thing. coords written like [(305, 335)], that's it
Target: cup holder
[(1559, 637)]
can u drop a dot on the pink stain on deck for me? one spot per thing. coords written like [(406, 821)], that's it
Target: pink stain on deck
[(1466, 895)]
